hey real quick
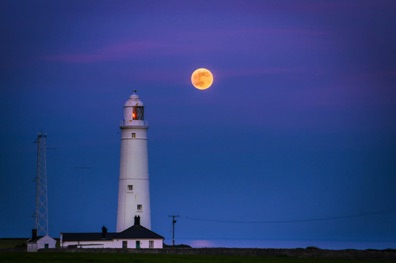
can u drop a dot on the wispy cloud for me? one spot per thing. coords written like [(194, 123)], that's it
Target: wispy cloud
[(219, 41), (111, 52), (321, 6)]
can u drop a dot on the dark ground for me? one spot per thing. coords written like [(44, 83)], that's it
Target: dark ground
[(387, 255)]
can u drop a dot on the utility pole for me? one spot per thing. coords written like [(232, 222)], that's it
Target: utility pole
[(41, 213), (173, 228)]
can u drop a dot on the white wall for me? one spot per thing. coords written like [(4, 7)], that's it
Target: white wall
[(32, 247), (46, 240), (133, 171), (41, 244), (117, 243), (144, 243), (89, 244)]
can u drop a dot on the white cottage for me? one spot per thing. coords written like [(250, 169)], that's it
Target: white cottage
[(40, 242), (136, 236)]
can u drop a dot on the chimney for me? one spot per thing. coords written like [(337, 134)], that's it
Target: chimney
[(104, 232), (137, 221), (34, 233)]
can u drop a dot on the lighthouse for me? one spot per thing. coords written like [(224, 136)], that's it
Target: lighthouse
[(133, 191)]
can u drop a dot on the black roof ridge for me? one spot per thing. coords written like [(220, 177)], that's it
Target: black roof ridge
[(139, 230), (37, 238), (133, 232), (79, 233)]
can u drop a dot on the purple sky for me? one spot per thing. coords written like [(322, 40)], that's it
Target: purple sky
[(300, 122)]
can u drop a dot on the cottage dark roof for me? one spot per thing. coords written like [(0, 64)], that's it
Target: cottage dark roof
[(86, 236), (33, 240), (136, 232), (37, 238)]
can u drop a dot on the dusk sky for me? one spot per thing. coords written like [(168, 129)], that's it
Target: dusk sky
[(295, 139)]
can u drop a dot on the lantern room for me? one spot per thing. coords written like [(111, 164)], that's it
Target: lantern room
[(133, 111)]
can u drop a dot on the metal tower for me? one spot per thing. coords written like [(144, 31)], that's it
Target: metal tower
[(41, 213)]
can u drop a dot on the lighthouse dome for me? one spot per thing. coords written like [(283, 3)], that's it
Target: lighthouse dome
[(133, 101)]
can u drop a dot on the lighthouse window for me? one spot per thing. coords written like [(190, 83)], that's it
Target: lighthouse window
[(133, 135), (130, 187), (139, 207), (138, 113)]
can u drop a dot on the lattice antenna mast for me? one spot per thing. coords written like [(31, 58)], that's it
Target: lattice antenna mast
[(41, 213)]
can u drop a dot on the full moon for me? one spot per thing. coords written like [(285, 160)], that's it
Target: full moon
[(202, 78)]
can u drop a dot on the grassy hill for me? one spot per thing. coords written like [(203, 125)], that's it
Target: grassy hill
[(8, 257), (12, 242)]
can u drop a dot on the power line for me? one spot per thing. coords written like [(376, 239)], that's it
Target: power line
[(290, 220)]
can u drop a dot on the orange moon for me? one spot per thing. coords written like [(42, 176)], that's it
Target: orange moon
[(202, 78)]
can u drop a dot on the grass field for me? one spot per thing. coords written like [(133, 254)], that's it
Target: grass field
[(42, 257), (71, 257)]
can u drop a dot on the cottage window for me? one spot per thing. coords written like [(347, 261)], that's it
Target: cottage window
[(124, 244), (151, 244)]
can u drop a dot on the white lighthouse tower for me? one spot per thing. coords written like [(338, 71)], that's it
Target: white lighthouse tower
[(133, 191)]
